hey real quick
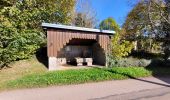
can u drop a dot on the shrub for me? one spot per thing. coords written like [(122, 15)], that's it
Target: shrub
[(20, 30), (20, 46), (120, 48), (126, 62)]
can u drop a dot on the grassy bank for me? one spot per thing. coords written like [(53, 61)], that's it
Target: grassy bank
[(31, 73), (76, 77), (21, 68)]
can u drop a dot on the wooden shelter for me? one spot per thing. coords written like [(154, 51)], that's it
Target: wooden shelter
[(76, 45)]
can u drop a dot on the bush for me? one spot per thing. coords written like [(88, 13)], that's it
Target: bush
[(126, 62), (120, 48), (20, 46), (20, 25)]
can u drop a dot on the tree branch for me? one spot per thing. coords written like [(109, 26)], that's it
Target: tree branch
[(161, 14)]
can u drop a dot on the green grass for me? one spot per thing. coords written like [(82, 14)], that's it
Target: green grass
[(76, 77), (19, 69), (31, 74)]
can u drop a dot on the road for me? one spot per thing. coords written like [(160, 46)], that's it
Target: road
[(150, 88), (152, 94)]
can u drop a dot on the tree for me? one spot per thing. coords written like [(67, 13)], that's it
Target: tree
[(134, 21), (6, 3), (119, 47), (85, 15), (81, 21), (149, 20), (20, 25), (162, 24), (109, 24), (166, 27), (138, 27)]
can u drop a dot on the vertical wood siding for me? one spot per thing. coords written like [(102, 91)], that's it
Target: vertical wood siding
[(57, 39)]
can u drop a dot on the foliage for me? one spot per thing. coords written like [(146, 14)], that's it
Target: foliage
[(20, 46), (166, 27), (20, 25), (148, 21), (6, 3), (145, 19), (85, 15), (77, 76), (126, 62), (81, 20), (31, 13), (110, 24), (120, 48), (137, 27)]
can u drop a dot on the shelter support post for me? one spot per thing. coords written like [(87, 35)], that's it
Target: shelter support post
[(52, 64)]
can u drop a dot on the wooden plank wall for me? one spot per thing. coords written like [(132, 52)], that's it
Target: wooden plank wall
[(57, 39)]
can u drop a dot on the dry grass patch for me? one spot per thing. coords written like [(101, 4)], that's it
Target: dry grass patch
[(20, 69)]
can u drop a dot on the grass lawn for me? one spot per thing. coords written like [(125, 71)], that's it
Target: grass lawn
[(38, 76), (20, 69), (75, 77)]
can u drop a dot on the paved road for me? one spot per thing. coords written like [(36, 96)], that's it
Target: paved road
[(145, 88), (151, 94)]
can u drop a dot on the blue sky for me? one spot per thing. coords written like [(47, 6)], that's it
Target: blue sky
[(118, 9)]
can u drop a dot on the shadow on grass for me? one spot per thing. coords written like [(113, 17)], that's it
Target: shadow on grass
[(131, 77), (160, 69)]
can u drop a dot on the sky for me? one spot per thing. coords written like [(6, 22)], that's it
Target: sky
[(117, 9)]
